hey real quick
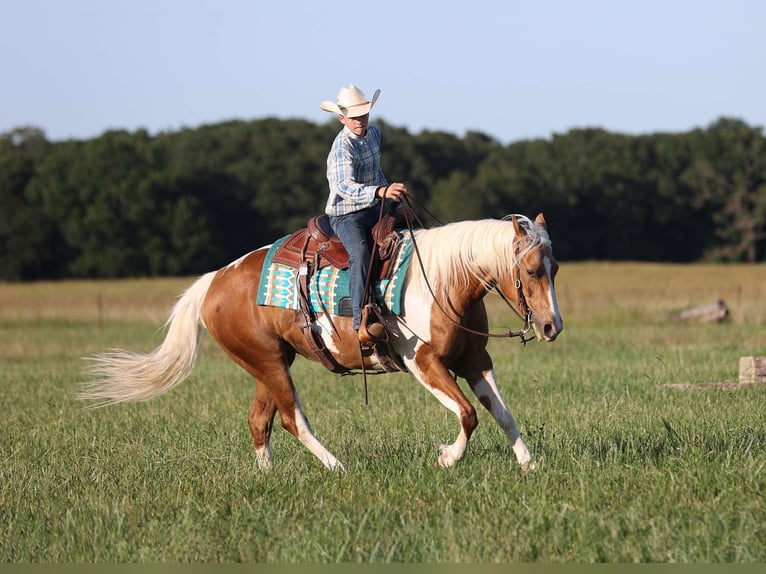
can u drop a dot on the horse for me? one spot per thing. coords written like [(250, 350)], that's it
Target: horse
[(439, 334)]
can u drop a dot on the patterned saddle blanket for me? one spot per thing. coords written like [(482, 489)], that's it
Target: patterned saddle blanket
[(329, 286)]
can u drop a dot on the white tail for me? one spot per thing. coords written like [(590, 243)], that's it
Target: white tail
[(119, 376)]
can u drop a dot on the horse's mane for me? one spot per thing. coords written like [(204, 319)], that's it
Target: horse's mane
[(452, 254)]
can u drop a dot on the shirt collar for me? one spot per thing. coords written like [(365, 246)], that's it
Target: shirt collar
[(352, 135)]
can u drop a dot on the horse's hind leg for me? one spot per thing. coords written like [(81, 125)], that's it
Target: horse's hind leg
[(261, 421), (297, 424), (254, 337), (279, 392)]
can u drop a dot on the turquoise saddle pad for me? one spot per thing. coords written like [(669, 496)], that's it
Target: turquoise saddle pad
[(328, 289)]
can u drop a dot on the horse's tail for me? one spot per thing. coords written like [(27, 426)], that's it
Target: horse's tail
[(119, 376)]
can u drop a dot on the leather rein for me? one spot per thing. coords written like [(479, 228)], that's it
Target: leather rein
[(521, 308)]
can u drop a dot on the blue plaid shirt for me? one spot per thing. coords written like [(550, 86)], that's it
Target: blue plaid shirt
[(353, 171)]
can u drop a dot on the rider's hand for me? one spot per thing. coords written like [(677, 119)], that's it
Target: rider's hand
[(395, 191)]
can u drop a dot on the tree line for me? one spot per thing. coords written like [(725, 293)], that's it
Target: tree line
[(129, 204)]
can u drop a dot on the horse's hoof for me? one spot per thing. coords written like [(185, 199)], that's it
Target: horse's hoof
[(446, 458), (336, 466), (529, 466)]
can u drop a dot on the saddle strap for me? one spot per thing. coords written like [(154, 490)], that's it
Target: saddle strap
[(314, 339), (317, 346)]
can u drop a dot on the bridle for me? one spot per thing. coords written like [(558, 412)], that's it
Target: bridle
[(521, 308)]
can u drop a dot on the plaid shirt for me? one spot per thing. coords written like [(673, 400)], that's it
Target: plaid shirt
[(353, 171)]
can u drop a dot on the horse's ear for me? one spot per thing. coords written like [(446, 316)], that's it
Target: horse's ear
[(540, 219), (518, 230)]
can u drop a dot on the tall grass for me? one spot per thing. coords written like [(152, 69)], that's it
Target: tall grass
[(628, 469)]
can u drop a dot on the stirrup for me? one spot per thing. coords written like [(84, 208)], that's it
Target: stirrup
[(371, 328), (372, 333)]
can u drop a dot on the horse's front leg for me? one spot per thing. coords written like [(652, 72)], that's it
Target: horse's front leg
[(435, 377), (484, 385)]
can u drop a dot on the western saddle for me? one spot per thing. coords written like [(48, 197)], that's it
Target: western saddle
[(316, 246)]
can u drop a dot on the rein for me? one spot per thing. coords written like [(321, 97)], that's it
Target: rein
[(522, 309)]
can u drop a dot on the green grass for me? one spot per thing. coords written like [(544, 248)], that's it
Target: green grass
[(628, 470)]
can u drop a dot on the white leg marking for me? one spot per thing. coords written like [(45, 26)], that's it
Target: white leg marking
[(449, 454), (263, 457), (522, 455), (306, 436), (487, 392)]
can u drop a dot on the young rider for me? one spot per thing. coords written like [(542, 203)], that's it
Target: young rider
[(357, 185)]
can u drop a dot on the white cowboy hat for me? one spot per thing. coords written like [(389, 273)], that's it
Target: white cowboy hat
[(352, 102)]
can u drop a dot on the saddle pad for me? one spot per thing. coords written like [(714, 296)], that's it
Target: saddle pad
[(328, 287)]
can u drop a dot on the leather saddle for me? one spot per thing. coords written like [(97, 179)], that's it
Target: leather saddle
[(318, 245)]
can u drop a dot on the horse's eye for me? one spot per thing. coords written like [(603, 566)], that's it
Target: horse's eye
[(531, 272)]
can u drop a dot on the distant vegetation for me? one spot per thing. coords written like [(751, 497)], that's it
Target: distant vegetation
[(179, 203)]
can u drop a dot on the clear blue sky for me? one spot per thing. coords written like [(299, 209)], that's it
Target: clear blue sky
[(510, 69)]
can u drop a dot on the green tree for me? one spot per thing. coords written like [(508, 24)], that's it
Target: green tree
[(729, 174), (127, 204), (25, 233)]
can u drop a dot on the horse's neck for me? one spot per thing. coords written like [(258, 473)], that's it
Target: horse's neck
[(464, 299)]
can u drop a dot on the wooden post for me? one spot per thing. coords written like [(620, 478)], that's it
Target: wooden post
[(752, 370)]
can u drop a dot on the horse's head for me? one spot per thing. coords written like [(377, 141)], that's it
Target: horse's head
[(532, 279)]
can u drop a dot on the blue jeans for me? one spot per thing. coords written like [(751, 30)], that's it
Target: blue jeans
[(353, 230)]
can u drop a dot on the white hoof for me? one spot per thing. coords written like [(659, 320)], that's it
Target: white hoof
[(529, 466), (263, 459), (446, 458), (335, 465)]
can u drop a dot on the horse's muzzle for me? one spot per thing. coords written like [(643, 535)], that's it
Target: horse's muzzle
[(551, 331)]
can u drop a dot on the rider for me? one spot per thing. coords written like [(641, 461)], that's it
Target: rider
[(357, 185)]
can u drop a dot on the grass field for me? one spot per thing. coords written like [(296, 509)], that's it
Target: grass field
[(628, 470)]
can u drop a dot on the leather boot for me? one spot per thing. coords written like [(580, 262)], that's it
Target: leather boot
[(372, 332)]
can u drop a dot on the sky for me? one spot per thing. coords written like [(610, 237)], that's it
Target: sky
[(512, 70)]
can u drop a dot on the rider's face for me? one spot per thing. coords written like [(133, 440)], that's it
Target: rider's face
[(358, 125)]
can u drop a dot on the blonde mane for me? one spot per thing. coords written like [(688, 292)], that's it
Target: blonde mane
[(456, 253)]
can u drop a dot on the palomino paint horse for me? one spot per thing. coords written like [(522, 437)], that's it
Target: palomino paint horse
[(441, 329)]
